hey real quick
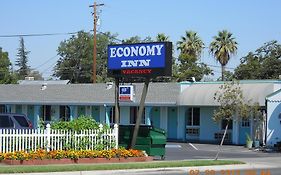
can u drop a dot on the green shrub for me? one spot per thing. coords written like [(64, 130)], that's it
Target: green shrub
[(78, 124), (248, 138)]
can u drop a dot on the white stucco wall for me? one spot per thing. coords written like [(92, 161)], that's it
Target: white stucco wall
[(273, 123)]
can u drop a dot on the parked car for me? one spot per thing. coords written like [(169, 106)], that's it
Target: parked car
[(14, 121)]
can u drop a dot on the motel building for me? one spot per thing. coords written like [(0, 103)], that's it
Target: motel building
[(183, 109)]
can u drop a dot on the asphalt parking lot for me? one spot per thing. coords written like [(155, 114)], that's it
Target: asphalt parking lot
[(188, 151)]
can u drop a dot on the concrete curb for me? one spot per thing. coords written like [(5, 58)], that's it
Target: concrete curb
[(160, 170)]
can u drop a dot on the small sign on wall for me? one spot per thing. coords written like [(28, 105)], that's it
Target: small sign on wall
[(126, 93)]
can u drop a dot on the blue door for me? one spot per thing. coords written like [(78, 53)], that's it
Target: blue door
[(244, 128), (155, 117), (172, 122)]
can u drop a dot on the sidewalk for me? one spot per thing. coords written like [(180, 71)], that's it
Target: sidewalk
[(250, 164)]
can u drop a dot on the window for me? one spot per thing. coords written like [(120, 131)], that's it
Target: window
[(64, 113), (245, 123), (193, 131), (46, 113), (6, 122), (224, 122), (2, 108), (134, 114), (21, 120), (193, 117)]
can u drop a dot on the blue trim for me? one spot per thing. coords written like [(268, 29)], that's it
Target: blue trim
[(148, 115), (107, 115), (36, 116), (72, 111)]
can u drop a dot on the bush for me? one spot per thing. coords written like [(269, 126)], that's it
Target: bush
[(78, 124), (71, 154)]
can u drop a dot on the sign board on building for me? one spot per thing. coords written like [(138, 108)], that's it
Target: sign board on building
[(140, 60), (126, 93)]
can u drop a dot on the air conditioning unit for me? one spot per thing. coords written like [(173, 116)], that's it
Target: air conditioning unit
[(29, 78)]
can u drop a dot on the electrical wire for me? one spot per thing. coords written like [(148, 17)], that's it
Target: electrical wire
[(36, 34), (46, 61)]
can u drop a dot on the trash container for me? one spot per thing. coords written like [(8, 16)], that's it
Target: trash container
[(150, 139)]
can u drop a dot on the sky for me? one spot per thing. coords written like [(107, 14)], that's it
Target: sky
[(252, 22)]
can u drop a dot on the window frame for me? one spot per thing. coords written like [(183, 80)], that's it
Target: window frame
[(190, 115), (46, 113), (245, 123), (65, 110)]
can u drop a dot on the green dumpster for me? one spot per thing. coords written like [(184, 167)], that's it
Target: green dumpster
[(150, 139)]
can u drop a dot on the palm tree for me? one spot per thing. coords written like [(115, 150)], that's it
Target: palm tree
[(161, 37), (223, 46), (191, 44)]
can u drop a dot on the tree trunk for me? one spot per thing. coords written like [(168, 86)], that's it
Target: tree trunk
[(222, 72), (222, 140)]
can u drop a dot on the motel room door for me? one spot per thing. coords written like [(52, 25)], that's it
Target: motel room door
[(172, 122)]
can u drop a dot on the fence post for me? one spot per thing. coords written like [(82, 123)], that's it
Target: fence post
[(100, 133), (1, 137), (115, 130), (48, 136)]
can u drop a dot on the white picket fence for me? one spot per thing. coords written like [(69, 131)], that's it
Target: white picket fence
[(12, 140)]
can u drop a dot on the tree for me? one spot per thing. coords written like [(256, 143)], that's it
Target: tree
[(76, 58), (22, 60), (223, 46), (161, 37), (36, 74), (191, 44), (6, 75), (264, 63), (137, 39), (231, 102), (191, 47), (228, 76), (189, 67)]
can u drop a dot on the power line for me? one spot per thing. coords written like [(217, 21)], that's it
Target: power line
[(36, 34), (46, 61)]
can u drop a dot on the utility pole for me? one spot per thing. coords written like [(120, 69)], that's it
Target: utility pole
[(95, 41)]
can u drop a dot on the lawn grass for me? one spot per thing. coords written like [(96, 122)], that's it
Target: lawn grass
[(113, 166)]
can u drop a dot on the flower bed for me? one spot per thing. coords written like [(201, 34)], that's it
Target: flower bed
[(41, 157)]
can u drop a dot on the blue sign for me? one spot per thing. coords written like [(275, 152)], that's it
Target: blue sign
[(139, 60), (126, 93), (146, 55), (125, 90)]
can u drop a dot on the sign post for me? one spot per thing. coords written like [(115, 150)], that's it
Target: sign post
[(117, 108)]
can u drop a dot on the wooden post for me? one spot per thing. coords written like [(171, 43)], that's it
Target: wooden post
[(140, 112), (117, 112)]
